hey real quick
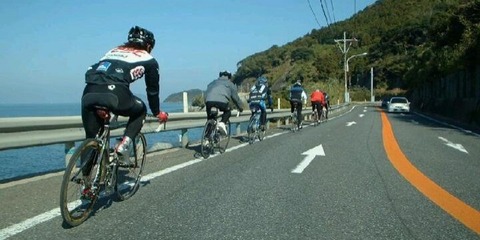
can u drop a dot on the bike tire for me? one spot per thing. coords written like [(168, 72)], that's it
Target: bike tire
[(294, 125), (128, 176), (251, 130), (77, 197), (206, 146), (224, 139), (261, 134), (322, 116)]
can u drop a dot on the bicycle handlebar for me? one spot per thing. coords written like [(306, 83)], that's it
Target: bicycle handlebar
[(160, 125)]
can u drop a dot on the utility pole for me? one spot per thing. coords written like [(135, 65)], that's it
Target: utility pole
[(344, 50)]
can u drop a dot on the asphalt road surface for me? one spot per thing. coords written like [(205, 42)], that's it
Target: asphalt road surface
[(364, 174)]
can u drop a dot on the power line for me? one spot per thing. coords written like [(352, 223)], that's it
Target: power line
[(328, 11), (333, 11), (315, 15), (324, 14)]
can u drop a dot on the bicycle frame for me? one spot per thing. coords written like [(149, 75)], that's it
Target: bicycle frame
[(253, 130), (211, 138), (90, 170)]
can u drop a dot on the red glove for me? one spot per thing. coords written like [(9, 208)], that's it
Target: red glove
[(162, 117)]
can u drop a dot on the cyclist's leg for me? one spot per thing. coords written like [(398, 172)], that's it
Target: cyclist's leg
[(292, 107), (227, 112), (299, 113), (327, 106), (263, 116), (136, 110)]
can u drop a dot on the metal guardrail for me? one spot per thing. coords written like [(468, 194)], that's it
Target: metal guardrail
[(21, 132)]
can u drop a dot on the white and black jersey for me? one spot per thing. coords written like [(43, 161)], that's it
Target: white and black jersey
[(122, 66)]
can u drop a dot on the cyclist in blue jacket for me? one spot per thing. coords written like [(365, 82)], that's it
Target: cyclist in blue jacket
[(260, 93), (297, 96)]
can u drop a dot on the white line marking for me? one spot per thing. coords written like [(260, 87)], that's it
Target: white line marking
[(33, 221), (311, 154), (446, 124), (457, 146), (350, 123)]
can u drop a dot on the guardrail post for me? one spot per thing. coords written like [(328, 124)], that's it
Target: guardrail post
[(69, 149), (184, 137), (185, 102)]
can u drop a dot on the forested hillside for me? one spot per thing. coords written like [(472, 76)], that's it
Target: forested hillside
[(409, 42)]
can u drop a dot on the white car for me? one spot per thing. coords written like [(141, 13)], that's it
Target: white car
[(398, 104)]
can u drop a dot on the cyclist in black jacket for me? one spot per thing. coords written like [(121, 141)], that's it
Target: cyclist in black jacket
[(108, 82)]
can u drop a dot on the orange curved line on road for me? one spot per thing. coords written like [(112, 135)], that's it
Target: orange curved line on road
[(464, 213)]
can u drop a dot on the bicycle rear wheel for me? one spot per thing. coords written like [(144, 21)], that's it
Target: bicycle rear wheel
[(78, 193), (129, 175), (206, 147), (294, 124), (261, 134), (223, 140), (315, 119), (251, 130)]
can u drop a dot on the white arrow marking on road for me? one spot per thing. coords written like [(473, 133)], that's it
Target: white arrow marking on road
[(457, 146), (361, 115), (311, 153), (350, 123)]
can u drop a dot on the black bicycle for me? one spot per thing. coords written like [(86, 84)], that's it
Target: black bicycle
[(212, 139), (253, 129), (95, 170)]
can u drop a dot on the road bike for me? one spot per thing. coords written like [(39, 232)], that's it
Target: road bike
[(95, 170), (212, 139), (253, 129)]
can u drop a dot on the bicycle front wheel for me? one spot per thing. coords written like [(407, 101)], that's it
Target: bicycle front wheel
[(129, 174), (251, 130), (206, 147), (261, 134), (223, 140), (78, 192)]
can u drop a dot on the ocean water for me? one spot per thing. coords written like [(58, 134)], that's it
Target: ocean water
[(26, 162)]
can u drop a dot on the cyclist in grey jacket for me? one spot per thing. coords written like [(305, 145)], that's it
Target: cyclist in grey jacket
[(219, 93)]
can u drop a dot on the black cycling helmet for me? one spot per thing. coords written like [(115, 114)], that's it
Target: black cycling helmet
[(141, 36), (225, 73)]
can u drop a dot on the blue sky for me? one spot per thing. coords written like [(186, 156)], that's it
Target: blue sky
[(46, 46)]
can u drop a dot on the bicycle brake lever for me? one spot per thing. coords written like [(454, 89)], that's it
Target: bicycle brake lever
[(161, 127)]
